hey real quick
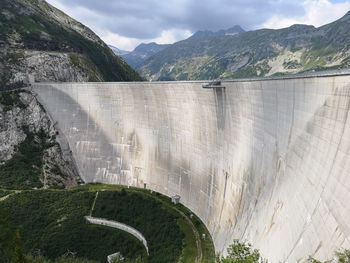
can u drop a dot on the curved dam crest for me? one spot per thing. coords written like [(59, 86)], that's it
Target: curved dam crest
[(267, 161)]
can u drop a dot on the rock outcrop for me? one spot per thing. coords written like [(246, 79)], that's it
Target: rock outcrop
[(23, 121), (39, 40)]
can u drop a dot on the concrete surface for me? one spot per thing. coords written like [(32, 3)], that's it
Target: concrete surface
[(267, 161)]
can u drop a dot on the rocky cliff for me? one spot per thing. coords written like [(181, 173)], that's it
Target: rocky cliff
[(32, 152), (39, 40)]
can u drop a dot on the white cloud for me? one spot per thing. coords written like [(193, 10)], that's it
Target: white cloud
[(171, 36), (128, 44), (127, 23), (317, 13), (100, 25), (124, 43)]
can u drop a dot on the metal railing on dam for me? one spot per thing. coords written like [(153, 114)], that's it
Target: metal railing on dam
[(267, 161)]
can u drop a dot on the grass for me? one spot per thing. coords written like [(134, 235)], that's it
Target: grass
[(53, 223), (316, 58), (147, 215), (189, 251), (207, 245), (46, 218)]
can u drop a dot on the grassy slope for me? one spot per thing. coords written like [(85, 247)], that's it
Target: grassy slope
[(147, 215), (188, 253), (53, 223), (55, 213)]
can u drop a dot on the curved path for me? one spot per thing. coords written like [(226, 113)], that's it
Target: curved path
[(199, 256), (120, 226), (10, 194)]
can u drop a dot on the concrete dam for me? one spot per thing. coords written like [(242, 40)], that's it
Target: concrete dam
[(266, 161)]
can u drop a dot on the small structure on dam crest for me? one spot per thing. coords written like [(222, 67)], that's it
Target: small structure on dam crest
[(175, 199), (216, 84)]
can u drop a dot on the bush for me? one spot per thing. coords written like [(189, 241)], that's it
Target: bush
[(240, 252), (23, 170), (148, 215), (53, 223), (341, 256)]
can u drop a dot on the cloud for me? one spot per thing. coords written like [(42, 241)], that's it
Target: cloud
[(317, 13), (125, 23), (127, 43)]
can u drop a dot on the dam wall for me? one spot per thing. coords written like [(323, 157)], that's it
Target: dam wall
[(266, 161)]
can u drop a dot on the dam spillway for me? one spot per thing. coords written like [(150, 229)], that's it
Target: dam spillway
[(266, 161)]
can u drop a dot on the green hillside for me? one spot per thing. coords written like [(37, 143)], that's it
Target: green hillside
[(265, 52)]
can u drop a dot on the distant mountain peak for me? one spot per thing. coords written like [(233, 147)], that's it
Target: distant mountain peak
[(149, 44), (142, 52), (236, 28), (118, 51), (230, 53), (147, 47), (228, 32)]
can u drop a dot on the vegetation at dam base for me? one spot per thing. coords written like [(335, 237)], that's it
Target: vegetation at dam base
[(48, 226), (27, 162), (157, 225), (52, 224), (241, 252)]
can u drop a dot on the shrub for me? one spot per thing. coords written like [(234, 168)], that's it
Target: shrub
[(240, 252)]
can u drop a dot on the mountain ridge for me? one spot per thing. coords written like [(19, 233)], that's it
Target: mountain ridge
[(40, 40), (142, 52), (117, 51), (258, 53)]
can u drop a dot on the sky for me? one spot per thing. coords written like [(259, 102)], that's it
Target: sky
[(127, 23)]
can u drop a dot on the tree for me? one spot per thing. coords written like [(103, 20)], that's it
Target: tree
[(343, 256), (313, 260), (6, 238), (240, 252), (18, 256)]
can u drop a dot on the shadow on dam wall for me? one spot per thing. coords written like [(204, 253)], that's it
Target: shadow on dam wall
[(220, 100), (89, 144), (267, 161)]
